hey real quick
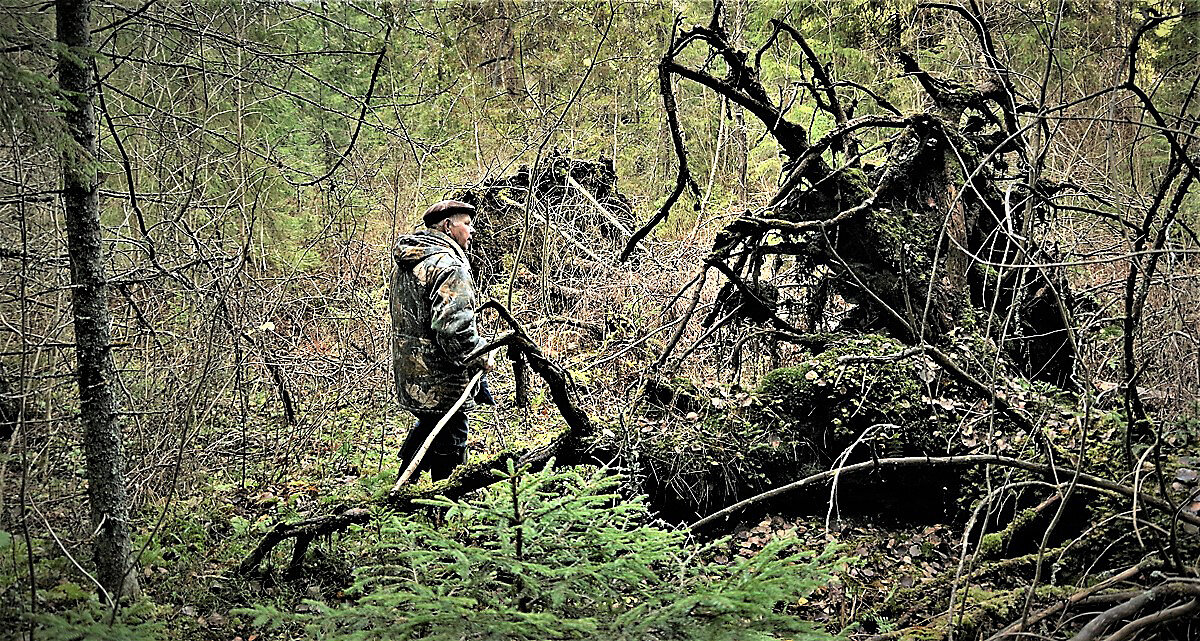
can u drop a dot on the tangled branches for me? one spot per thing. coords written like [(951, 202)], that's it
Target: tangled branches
[(568, 448), (936, 226)]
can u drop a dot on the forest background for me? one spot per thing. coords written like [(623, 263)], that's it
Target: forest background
[(255, 162)]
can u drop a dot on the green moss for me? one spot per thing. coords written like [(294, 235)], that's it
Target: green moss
[(829, 399), (992, 544), (787, 386), (904, 238), (856, 180), (797, 420)]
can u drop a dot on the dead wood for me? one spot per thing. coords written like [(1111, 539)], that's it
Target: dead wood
[(1163, 592), (1082, 597), (304, 532), (568, 448), (1150, 620), (904, 243), (579, 197), (1052, 472)]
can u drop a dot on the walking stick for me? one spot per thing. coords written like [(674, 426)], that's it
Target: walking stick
[(412, 466)]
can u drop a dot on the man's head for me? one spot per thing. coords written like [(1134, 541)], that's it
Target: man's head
[(453, 218)]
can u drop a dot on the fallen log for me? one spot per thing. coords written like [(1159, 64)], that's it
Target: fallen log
[(1085, 480), (304, 532), (568, 448)]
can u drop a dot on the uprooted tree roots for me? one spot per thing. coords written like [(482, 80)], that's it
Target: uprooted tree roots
[(890, 247), (909, 244), (900, 257), (562, 207)]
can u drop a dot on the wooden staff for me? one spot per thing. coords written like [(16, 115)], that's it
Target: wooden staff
[(412, 466)]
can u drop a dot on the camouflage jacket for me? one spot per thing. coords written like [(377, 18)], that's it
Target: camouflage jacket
[(433, 322)]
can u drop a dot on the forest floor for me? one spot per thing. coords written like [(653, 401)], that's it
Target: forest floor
[(192, 536), (186, 568)]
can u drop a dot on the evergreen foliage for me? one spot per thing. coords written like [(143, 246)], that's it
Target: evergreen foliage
[(93, 621), (30, 100), (238, 290), (559, 555)]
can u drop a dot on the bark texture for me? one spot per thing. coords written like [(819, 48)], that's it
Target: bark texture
[(102, 436)]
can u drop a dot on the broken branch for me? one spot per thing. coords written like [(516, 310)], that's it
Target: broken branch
[(1085, 480)]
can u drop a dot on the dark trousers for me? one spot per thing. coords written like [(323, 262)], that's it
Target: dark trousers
[(448, 450)]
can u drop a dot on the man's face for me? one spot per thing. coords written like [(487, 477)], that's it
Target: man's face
[(460, 227)]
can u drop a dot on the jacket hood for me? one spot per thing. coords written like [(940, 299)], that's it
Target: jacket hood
[(414, 248)]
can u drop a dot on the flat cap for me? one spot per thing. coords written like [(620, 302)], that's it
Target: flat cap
[(444, 209)]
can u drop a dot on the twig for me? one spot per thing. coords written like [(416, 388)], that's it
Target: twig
[(1162, 616), (684, 176), (557, 228), (307, 528), (1085, 480), (687, 315), (1019, 626), (820, 74), (362, 116), (595, 328), (595, 203)]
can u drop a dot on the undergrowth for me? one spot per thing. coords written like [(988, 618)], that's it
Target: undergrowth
[(557, 554)]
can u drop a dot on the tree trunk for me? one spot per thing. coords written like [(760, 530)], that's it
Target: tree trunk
[(102, 438)]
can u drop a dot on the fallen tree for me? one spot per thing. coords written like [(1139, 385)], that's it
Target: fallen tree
[(570, 447), (930, 328), (919, 239), (566, 208)]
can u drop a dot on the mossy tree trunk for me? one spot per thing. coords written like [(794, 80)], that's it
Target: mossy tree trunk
[(102, 435)]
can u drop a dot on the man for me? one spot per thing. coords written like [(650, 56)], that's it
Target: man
[(433, 305)]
